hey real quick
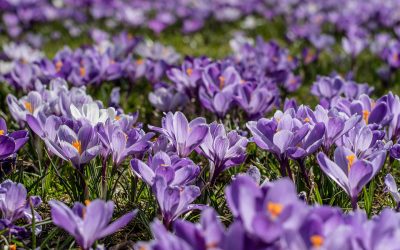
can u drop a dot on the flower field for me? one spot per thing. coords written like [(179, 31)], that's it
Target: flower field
[(200, 124)]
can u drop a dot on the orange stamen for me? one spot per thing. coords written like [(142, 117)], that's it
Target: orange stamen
[(1, 132), (28, 106), (221, 82), (317, 241), (189, 71), (350, 158), (139, 61), (59, 65), (365, 116), (82, 71), (275, 209), (78, 146)]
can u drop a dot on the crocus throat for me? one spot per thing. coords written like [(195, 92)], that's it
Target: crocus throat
[(275, 209), (306, 119), (28, 106), (77, 145), (117, 117), (139, 61), (317, 241), (1, 132), (350, 159), (189, 71), (59, 65), (365, 115), (221, 82), (82, 71)]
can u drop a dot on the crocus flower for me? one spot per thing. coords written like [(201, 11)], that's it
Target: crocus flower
[(15, 205), (183, 135), (92, 114), (223, 150), (78, 147), (176, 171), (10, 143), (272, 208), (350, 173), (89, 223), (167, 99), (120, 144), (174, 201), (30, 104), (391, 186), (278, 135)]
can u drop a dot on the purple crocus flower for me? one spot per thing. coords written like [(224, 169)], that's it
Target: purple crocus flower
[(15, 205), (349, 172), (176, 171), (255, 99), (216, 93), (89, 223), (163, 240), (391, 186), (173, 200), (30, 104), (167, 99), (279, 134), (78, 147), (223, 150), (326, 88), (273, 208), (183, 135), (10, 143), (120, 144)]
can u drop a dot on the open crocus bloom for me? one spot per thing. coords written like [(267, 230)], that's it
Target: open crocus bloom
[(348, 172), (79, 148), (88, 223), (91, 113), (10, 143), (183, 135)]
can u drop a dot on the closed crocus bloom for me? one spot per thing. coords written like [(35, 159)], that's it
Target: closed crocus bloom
[(167, 99), (326, 88), (349, 172), (174, 201), (10, 143), (224, 150), (78, 147), (391, 186), (88, 223), (183, 135), (176, 171), (255, 99)]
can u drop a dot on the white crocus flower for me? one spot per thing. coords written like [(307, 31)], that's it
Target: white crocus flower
[(91, 113)]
